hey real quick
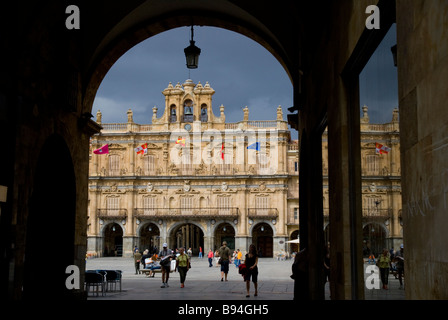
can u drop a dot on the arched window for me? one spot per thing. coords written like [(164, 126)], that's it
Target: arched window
[(204, 116), (173, 115), (188, 111)]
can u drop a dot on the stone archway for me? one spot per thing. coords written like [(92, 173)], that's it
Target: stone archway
[(113, 240), (187, 235), (149, 238), (147, 20), (294, 247), (263, 238), (374, 239), (225, 232)]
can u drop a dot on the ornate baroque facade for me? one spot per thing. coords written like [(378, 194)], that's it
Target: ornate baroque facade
[(201, 180)]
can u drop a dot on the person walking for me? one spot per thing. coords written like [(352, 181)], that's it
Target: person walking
[(384, 264), (137, 260), (300, 275), (166, 255), (182, 266), (251, 263), (217, 257), (239, 256), (210, 258), (224, 257), (200, 252), (399, 264)]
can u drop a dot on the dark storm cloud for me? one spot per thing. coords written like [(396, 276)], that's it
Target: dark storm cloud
[(378, 83), (241, 71)]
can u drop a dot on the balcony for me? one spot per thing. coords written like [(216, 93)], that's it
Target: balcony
[(375, 214), (182, 213), (112, 213), (254, 213), (368, 214)]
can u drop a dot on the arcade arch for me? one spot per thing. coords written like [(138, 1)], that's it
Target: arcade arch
[(225, 232), (374, 239), (263, 238), (186, 235), (149, 237), (112, 240)]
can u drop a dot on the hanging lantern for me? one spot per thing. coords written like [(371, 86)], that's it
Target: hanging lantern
[(192, 53)]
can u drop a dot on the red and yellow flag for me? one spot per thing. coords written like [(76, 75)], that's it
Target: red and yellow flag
[(143, 149), (181, 141), (381, 149)]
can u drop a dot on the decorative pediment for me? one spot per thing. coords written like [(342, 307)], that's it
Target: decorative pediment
[(154, 146), (116, 146), (262, 188), (150, 189), (187, 188), (114, 189), (224, 189)]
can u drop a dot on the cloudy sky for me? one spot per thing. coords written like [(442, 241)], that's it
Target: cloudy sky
[(242, 72)]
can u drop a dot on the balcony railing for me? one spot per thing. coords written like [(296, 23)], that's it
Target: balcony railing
[(111, 213), (375, 213), (262, 213), (182, 213), (368, 213)]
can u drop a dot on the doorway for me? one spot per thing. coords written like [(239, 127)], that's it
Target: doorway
[(113, 240), (262, 236)]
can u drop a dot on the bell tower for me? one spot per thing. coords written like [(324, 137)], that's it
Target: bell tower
[(189, 104)]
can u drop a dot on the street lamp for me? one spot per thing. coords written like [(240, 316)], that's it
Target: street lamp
[(192, 53)]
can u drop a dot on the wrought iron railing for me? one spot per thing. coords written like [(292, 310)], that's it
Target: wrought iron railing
[(262, 213), (186, 212), (111, 213)]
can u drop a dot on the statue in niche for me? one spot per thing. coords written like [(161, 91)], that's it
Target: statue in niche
[(149, 187), (187, 186), (224, 186)]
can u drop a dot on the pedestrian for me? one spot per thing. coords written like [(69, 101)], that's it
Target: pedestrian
[(166, 255), (210, 258), (239, 256), (384, 264), (224, 257), (217, 257), (137, 261), (300, 274), (182, 265), (152, 264), (190, 252), (200, 252), (251, 263), (399, 263), (372, 259), (144, 257)]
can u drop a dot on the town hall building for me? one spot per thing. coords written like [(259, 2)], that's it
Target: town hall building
[(190, 179)]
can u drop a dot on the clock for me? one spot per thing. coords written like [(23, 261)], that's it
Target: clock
[(187, 127)]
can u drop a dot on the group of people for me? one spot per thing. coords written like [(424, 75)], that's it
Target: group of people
[(162, 261), (250, 272), (223, 254)]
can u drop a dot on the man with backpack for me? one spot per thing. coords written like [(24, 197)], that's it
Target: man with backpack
[(166, 255)]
